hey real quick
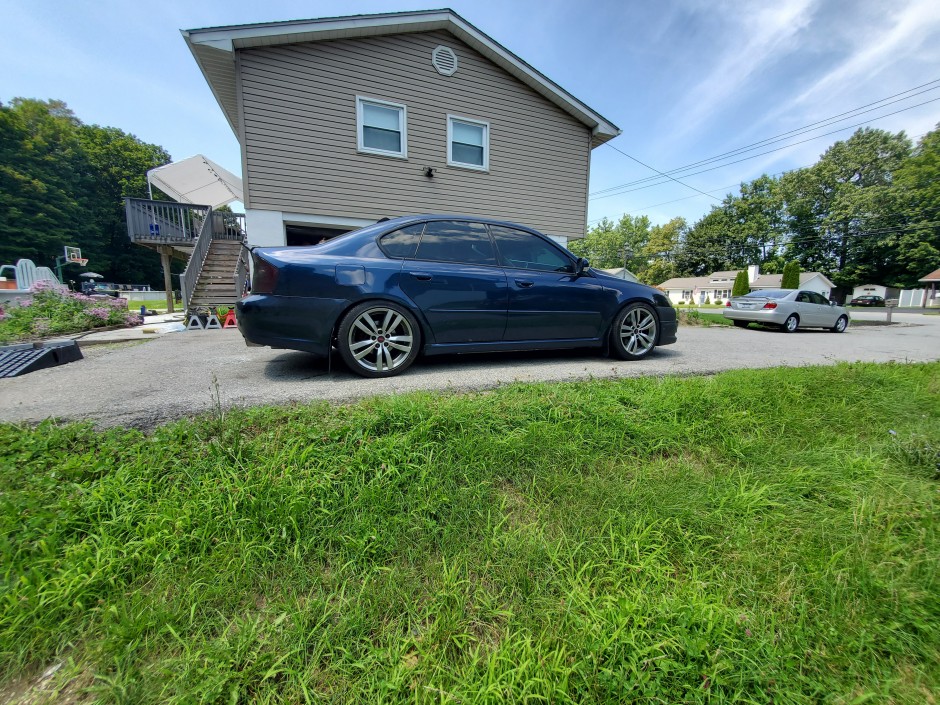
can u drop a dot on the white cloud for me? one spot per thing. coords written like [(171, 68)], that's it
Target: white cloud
[(880, 48), (764, 34)]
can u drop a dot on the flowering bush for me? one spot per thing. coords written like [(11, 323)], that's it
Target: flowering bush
[(54, 310)]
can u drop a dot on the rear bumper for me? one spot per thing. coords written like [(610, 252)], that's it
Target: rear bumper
[(668, 325), (291, 322), (761, 315)]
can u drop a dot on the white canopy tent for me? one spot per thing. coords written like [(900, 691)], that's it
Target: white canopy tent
[(197, 180)]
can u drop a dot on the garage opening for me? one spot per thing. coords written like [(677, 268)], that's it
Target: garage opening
[(306, 235)]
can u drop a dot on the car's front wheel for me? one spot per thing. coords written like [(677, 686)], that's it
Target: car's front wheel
[(378, 339), (840, 325), (633, 334)]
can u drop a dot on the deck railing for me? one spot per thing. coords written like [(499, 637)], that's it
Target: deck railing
[(164, 221), (190, 275)]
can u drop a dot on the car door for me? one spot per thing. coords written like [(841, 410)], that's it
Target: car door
[(826, 314), (455, 280), (806, 309), (547, 301)]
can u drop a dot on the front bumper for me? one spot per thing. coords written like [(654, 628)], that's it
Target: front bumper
[(668, 325)]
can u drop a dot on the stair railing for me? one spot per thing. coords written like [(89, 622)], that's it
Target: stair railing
[(163, 221), (190, 275)]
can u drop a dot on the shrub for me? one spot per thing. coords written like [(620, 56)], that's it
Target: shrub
[(741, 284), (708, 301), (791, 275), (54, 310)]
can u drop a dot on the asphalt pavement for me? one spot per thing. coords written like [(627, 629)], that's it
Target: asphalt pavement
[(140, 380)]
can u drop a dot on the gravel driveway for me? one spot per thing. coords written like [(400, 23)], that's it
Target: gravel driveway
[(145, 384)]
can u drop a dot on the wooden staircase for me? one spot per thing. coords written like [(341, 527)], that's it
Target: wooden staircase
[(216, 284)]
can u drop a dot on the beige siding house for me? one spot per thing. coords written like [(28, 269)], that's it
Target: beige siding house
[(344, 121)]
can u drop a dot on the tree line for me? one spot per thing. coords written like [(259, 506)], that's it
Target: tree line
[(62, 182), (867, 212)]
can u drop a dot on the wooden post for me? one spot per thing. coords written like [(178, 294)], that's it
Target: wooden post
[(165, 260)]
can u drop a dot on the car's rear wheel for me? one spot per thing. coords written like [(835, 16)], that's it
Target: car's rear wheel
[(633, 334), (791, 324), (840, 325), (378, 339), (741, 324)]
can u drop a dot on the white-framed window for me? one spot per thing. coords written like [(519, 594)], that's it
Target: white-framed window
[(468, 143), (382, 127), (686, 295)]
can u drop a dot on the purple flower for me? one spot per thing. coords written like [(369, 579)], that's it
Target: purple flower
[(102, 313)]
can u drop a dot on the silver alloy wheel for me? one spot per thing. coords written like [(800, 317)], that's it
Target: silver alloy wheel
[(791, 324), (638, 331), (842, 324), (380, 339)]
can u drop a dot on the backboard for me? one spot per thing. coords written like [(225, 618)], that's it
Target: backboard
[(73, 254)]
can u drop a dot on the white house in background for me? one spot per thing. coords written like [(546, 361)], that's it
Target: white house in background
[(809, 281), (885, 292), (622, 273), (716, 287)]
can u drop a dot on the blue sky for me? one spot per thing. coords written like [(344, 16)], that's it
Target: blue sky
[(685, 79)]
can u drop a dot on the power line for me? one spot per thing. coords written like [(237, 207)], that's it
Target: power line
[(681, 183), (800, 130), (753, 156)]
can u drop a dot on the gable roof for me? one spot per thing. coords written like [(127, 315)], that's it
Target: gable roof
[(685, 283), (932, 277), (214, 51)]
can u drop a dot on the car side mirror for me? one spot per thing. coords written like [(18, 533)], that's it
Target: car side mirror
[(580, 266), (832, 303)]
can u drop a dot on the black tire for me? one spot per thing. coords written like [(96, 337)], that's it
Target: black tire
[(378, 339), (841, 325), (741, 324), (791, 324), (634, 332)]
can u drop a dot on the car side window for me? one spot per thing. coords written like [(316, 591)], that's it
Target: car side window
[(803, 298), (402, 243), (817, 298), (521, 250), (456, 241)]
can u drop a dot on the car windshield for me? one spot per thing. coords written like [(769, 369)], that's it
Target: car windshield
[(770, 294)]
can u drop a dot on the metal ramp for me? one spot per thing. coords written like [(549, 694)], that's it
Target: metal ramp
[(16, 360)]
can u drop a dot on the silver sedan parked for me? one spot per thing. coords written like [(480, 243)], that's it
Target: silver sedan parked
[(788, 308)]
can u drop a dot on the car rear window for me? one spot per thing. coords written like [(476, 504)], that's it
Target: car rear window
[(401, 244), (770, 294)]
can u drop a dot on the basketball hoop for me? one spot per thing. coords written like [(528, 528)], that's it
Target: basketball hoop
[(73, 254), (81, 261)]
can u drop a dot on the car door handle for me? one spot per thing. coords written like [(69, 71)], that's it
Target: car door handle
[(524, 283), (421, 276)]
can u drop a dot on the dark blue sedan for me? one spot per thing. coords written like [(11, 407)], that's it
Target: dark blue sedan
[(438, 284)]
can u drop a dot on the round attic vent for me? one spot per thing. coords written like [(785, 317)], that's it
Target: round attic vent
[(444, 60)]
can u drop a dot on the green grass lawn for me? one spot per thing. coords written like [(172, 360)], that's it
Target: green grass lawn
[(754, 537)]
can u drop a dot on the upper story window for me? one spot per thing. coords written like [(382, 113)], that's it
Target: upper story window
[(468, 143), (382, 127)]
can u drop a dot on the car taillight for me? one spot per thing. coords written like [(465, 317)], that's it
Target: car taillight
[(264, 278), (770, 304), (727, 303)]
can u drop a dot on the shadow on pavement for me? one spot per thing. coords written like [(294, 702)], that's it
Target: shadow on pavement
[(304, 366)]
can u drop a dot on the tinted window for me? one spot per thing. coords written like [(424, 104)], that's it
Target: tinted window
[(770, 294), (818, 298), (401, 244), (455, 241), (522, 250)]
